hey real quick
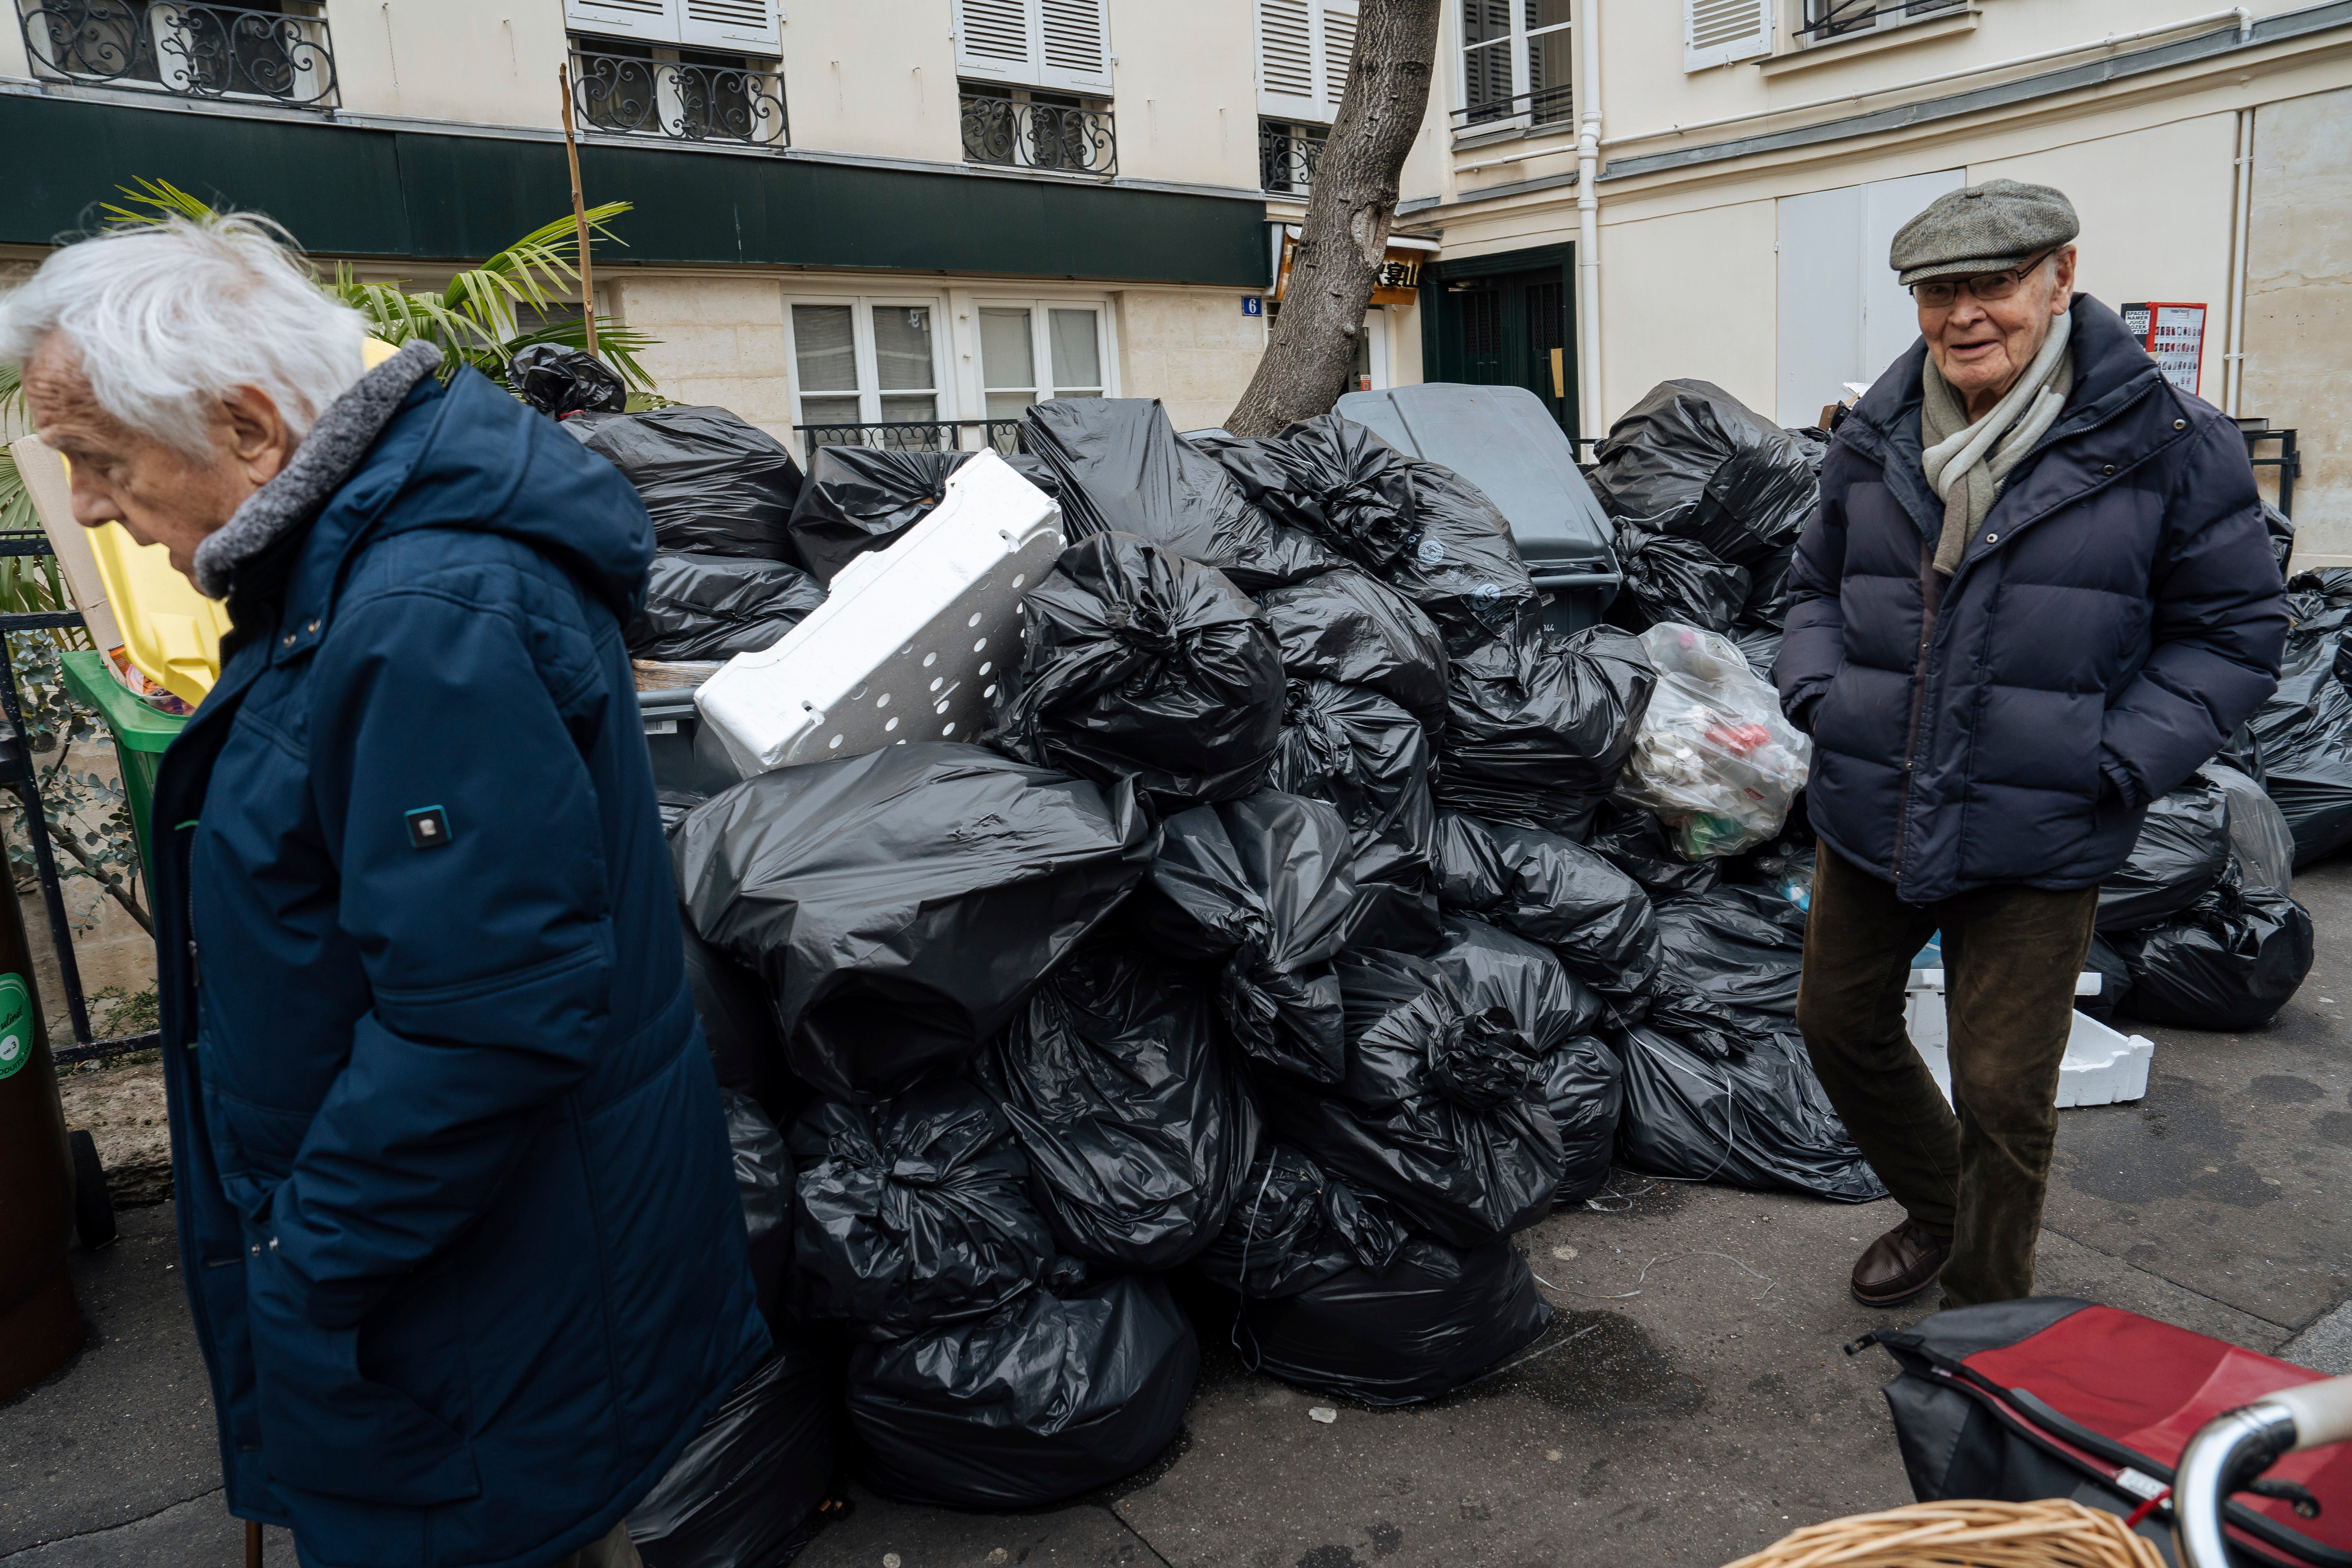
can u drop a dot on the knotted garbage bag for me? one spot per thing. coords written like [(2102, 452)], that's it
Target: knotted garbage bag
[(2230, 961), (1692, 461), (1429, 1321), (1123, 470), (857, 498), (1295, 1225), (1137, 1125), (1759, 1120), (1051, 1395), (1136, 662), (2182, 850), (1350, 627), (1729, 962), (716, 606), (714, 484), (1442, 1110), (911, 1213), (899, 905), (1352, 747), (1715, 758), (1596, 917), (1670, 579), (746, 1489), (763, 1180), (1540, 726), (1636, 843), (1265, 886), (558, 381)]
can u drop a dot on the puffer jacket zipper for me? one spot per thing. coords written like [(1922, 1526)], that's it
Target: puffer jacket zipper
[(1930, 596)]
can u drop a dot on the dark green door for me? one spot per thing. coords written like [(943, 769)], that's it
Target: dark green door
[(1499, 322)]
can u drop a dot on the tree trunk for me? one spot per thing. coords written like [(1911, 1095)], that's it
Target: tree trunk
[(1350, 209)]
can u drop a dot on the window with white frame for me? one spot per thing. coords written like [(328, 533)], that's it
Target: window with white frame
[(1825, 21), (1515, 63), (1720, 32), (869, 361), (1031, 351)]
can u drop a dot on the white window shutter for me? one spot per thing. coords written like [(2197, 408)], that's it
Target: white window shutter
[(749, 25), (1075, 36), (996, 40), (1717, 32), (1286, 75), (1335, 50), (653, 19)]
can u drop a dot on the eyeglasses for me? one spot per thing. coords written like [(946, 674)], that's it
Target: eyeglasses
[(1944, 292)]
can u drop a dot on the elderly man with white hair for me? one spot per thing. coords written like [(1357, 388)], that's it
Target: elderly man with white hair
[(456, 1204)]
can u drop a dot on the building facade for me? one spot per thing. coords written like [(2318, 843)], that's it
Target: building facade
[(901, 221)]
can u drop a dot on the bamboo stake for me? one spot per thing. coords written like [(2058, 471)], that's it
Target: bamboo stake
[(579, 209)]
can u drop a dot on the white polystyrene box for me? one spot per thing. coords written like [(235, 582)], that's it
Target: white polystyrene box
[(2102, 1066), (910, 640)]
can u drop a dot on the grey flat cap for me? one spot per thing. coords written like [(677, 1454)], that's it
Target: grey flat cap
[(1983, 228)]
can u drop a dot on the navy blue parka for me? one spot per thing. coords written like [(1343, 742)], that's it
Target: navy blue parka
[(455, 1203), (2117, 617)]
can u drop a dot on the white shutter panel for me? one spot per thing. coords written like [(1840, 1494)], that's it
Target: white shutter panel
[(749, 25), (1286, 61), (1077, 39), (996, 40), (1335, 50), (1717, 32), (654, 19)]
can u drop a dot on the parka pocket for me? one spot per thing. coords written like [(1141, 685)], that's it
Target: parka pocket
[(326, 1428)]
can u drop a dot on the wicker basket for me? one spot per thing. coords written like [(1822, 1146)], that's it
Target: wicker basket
[(1964, 1534)]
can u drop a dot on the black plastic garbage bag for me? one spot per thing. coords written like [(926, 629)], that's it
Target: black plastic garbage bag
[(716, 606), (1585, 1084), (1494, 968), (1136, 662), (1350, 627), (1263, 886), (1460, 564), (1632, 840), (558, 381), (2281, 533), (2230, 962), (2183, 849), (1760, 1119), (745, 1491), (1767, 605), (764, 1179), (1442, 1110), (739, 1027), (1692, 461), (1352, 747), (899, 905), (1539, 727), (1670, 579), (2303, 735), (1547, 890), (1293, 1224), (857, 498), (1050, 1396), (1123, 470), (1728, 969), (911, 1213), (1760, 646), (714, 484), (1428, 1323), (1139, 1130), (2115, 980)]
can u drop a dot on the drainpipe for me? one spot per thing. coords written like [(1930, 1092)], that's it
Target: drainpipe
[(1588, 223), (2242, 227)]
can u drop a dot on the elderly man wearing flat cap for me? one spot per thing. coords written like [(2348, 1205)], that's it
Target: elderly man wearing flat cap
[(2037, 595)]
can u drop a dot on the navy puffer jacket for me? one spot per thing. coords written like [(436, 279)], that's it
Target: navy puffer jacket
[(2118, 615)]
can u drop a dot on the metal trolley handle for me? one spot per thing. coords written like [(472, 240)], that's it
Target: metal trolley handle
[(2235, 1448)]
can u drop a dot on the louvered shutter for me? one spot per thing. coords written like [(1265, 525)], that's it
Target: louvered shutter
[(1335, 50), (653, 19), (1717, 32), (747, 25), (1287, 88), (1076, 35), (996, 40)]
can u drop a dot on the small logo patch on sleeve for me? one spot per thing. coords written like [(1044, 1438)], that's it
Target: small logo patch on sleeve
[(428, 827)]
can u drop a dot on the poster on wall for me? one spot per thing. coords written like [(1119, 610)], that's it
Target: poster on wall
[(2173, 336)]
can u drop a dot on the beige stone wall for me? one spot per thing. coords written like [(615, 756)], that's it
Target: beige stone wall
[(1190, 347), (2299, 308), (723, 340)]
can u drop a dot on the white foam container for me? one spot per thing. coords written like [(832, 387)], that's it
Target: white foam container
[(2101, 1066), (908, 641)]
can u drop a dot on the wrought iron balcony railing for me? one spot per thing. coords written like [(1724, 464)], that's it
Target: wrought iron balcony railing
[(915, 435), (182, 47), (1827, 19), (1286, 158), (1039, 136), (1550, 106), (632, 96)]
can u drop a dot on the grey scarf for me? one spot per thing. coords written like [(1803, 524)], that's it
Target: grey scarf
[(341, 436), (1965, 464)]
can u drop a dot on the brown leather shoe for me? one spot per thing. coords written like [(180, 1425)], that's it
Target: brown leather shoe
[(1899, 1265)]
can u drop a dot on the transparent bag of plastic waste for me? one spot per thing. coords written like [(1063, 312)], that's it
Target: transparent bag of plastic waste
[(1713, 758)]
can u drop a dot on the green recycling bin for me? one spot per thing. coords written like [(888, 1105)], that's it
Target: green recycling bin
[(140, 736)]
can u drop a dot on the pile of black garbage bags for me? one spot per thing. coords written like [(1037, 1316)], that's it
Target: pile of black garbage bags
[(1276, 956)]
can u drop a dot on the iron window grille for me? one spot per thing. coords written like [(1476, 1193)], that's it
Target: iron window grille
[(1828, 20), (1037, 131), (182, 47), (1551, 106), (1287, 155), (680, 95)]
